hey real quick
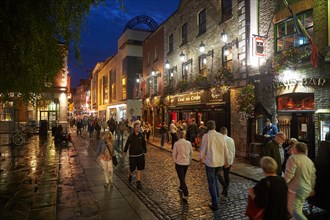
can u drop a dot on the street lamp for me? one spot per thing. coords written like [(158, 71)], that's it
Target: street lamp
[(182, 56), (202, 47), (167, 64), (224, 38)]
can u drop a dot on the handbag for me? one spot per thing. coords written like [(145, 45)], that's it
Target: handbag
[(114, 161), (113, 158), (253, 211)]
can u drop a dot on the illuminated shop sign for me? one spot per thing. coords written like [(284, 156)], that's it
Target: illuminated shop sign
[(189, 98)]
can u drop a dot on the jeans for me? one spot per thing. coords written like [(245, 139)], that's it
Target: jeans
[(225, 179), (295, 205), (174, 138), (162, 141), (107, 170), (212, 179), (181, 170)]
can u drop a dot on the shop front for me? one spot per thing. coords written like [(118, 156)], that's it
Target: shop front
[(201, 106)]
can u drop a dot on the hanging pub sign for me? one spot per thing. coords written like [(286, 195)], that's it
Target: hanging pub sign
[(258, 46)]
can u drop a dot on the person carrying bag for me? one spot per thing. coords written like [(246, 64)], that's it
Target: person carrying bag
[(107, 159)]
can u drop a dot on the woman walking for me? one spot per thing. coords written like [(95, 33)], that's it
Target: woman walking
[(105, 151)]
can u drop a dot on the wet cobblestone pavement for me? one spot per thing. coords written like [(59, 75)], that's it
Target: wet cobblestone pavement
[(160, 184), (28, 183), (40, 181)]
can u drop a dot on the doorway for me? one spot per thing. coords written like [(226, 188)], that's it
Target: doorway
[(50, 117)]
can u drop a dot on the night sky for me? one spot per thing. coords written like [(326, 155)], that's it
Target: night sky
[(105, 25)]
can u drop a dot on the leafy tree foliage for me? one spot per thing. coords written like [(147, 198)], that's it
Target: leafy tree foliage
[(29, 41)]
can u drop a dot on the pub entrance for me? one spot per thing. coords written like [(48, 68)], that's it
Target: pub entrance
[(299, 125)]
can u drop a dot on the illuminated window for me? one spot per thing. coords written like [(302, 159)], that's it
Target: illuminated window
[(203, 65), (286, 33), (105, 90), (227, 58), (124, 88)]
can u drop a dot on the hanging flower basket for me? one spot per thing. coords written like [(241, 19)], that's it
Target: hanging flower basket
[(182, 86), (201, 82), (168, 90), (290, 59), (245, 100)]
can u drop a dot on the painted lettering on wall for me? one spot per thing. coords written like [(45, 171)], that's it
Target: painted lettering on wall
[(293, 82)]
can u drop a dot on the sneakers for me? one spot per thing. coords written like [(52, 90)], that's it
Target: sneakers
[(130, 178), (138, 185), (106, 185)]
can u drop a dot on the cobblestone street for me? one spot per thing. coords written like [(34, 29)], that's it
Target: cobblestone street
[(160, 184)]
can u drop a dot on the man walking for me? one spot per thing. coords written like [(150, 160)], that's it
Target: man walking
[(231, 153), (300, 176), (214, 154), (173, 130), (182, 154), (137, 148), (274, 148)]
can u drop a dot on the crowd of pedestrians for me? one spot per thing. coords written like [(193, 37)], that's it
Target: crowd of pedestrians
[(289, 173)]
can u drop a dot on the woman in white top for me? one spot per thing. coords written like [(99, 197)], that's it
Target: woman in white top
[(182, 154)]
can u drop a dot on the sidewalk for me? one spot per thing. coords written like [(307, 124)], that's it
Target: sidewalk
[(81, 191), (241, 166)]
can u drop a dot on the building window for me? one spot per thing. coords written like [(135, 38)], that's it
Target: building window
[(148, 58), (226, 9), (156, 53), (113, 85), (287, 36), (100, 89), (124, 87), (202, 65), (184, 34), (187, 70), (105, 90), (227, 58), (153, 85), (202, 22), (170, 43)]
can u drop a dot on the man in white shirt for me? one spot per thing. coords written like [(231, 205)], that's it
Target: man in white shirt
[(231, 153), (300, 176), (214, 153), (182, 154), (173, 130)]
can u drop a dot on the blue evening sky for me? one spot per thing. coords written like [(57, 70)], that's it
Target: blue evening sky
[(104, 26)]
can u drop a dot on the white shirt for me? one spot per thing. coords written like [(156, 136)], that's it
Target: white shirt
[(231, 149), (214, 150), (173, 128), (300, 173), (182, 152)]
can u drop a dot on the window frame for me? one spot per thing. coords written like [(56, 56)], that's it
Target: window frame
[(227, 63), (202, 22), (184, 34), (226, 12), (285, 38), (170, 43)]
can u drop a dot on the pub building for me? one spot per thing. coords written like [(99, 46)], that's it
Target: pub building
[(295, 101), (202, 105)]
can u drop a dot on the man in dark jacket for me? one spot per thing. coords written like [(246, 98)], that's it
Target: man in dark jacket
[(137, 148)]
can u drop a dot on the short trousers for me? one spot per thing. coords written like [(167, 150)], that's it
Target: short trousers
[(137, 163)]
